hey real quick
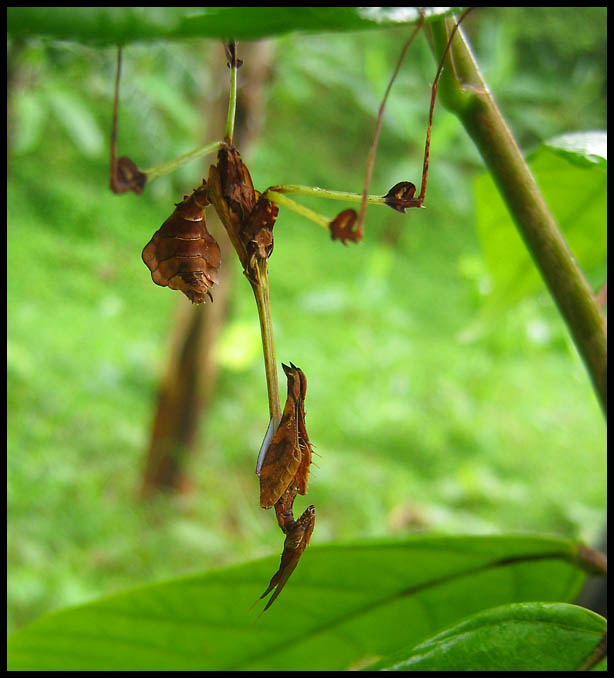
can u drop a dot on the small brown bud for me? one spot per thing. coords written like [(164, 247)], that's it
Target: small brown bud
[(127, 177), (341, 227), (401, 196)]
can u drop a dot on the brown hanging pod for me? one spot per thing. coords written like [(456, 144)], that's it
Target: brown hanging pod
[(341, 227), (182, 254)]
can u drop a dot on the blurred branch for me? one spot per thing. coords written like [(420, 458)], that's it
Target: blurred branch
[(464, 92)]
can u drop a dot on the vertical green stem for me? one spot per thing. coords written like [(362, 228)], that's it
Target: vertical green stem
[(232, 104), (263, 302), (256, 274), (465, 93)]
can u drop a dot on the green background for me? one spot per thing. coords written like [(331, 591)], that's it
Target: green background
[(419, 423)]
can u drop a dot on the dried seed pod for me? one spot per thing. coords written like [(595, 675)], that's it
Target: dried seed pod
[(182, 253), (296, 542), (284, 455), (401, 196), (126, 176), (341, 227)]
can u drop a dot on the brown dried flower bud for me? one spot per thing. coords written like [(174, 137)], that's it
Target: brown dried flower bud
[(127, 177), (341, 227), (401, 196)]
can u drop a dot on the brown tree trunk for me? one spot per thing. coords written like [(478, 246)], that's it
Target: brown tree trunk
[(189, 380)]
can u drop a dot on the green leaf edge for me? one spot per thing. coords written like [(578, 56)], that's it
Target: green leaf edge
[(560, 614), (124, 25), (584, 149), (551, 547)]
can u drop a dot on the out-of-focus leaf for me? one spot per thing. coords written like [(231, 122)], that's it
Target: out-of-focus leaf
[(166, 97), (78, 121), (582, 148), (345, 606), (31, 112), (519, 637), (120, 25), (571, 172)]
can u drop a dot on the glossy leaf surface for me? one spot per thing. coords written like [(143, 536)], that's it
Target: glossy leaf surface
[(519, 637), (346, 606)]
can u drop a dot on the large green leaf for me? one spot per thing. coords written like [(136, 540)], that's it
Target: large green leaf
[(119, 25), (520, 637), (571, 172), (344, 606)]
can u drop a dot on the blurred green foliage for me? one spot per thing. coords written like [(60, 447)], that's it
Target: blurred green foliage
[(571, 171), (103, 26), (415, 428)]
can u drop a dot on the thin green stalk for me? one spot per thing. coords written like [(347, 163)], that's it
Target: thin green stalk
[(299, 209), (276, 194), (232, 104), (325, 193), (263, 302), (175, 163), (378, 126), (256, 274), (464, 92)]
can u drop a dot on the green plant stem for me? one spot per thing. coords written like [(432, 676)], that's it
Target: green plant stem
[(463, 91), (232, 105), (316, 192), (591, 560), (276, 194), (299, 209), (263, 302), (175, 163)]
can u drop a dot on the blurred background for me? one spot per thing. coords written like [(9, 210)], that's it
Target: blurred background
[(418, 424)]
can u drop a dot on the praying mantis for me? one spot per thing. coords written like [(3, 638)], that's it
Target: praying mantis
[(184, 256)]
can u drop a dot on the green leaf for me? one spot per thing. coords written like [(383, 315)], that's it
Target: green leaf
[(31, 111), (120, 25), (344, 606), (571, 172), (520, 637), (582, 148), (80, 125)]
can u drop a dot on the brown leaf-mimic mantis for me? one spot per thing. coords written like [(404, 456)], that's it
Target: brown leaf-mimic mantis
[(296, 542), (283, 467), (183, 255), (279, 463), (283, 471)]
